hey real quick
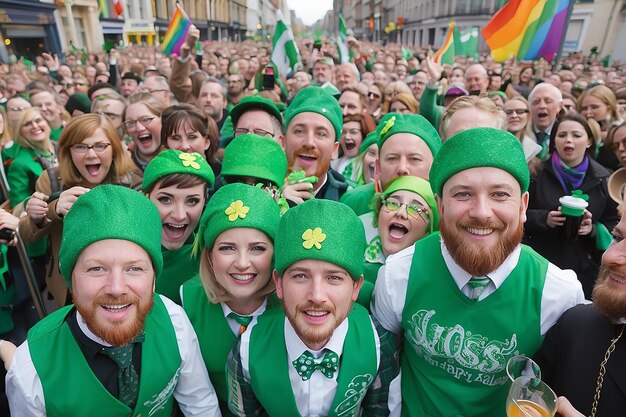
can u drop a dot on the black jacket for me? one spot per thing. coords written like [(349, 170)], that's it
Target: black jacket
[(580, 255)]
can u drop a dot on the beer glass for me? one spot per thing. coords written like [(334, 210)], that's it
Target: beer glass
[(530, 397)]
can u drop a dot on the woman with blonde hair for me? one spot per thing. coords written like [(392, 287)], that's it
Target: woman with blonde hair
[(599, 103), (236, 245), (404, 104), (391, 91), (90, 154)]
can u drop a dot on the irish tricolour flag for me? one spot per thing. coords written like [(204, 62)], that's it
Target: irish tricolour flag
[(445, 54)]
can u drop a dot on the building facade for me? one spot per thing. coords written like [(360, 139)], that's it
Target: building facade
[(28, 28)]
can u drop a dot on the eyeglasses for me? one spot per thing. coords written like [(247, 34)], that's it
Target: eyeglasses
[(413, 210), (31, 123), (110, 116), (144, 120), (373, 95), (519, 112), (83, 148), (81, 83), (261, 132), (156, 91), (351, 132)]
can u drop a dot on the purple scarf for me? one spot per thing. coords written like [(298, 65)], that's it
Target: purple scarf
[(570, 178)]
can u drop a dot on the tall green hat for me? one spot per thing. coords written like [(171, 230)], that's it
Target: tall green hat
[(479, 147), (255, 102), (370, 139), (171, 161), (414, 124), (323, 230), (419, 186), (257, 156), (316, 100), (110, 212), (235, 206)]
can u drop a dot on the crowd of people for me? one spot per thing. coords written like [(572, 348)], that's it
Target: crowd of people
[(373, 238)]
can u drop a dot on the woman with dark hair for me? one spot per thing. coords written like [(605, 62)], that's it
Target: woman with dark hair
[(355, 128), (570, 169)]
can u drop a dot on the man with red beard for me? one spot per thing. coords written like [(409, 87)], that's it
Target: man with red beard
[(588, 345), (120, 350), (314, 124), (472, 297), (321, 354)]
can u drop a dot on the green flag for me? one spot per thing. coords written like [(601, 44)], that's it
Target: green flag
[(285, 53), (466, 41), (342, 45)]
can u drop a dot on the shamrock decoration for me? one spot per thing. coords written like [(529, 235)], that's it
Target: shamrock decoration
[(388, 125), (299, 176), (189, 160), (313, 237), (236, 210), (580, 194)]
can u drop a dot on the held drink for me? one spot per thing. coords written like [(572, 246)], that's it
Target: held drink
[(526, 408)]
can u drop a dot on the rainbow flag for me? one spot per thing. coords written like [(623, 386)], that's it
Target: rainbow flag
[(527, 29), (104, 8), (445, 54), (176, 32)]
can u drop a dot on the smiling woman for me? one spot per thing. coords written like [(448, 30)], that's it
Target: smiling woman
[(90, 154)]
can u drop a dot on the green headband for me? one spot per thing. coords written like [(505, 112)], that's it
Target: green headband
[(420, 187)]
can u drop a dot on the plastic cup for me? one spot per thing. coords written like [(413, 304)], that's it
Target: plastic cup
[(573, 209)]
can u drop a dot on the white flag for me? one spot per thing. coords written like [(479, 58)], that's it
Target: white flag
[(285, 54)]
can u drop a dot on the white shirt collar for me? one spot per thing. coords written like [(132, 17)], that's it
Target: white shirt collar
[(83, 327), (295, 346), (462, 277), (227, 310)]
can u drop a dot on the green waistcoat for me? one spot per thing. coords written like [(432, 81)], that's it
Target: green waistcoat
[(269, 376), (73, 389), (214, 334), (179, 266), (456, 349)]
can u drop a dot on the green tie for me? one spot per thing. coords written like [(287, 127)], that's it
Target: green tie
[(127, 377), (243, 321), (478, 286), (306, 364)]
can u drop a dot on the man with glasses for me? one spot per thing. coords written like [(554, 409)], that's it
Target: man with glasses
[(158, 86), (112, 106), (258, 115)]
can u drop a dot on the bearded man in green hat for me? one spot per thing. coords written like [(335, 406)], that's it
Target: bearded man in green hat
[(470, 298), (320, 354), (121, 350)]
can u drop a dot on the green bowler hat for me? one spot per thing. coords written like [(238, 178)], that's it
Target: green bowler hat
[(171, 161), (323, 230), (479, 147), (316, 100), (256, 156), (255, 102), (110, 212), (414, 124), (234, 206)]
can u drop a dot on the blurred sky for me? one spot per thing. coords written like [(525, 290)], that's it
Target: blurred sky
[(310, 10)]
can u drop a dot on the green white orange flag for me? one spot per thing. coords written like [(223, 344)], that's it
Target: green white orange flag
[(445, 54)]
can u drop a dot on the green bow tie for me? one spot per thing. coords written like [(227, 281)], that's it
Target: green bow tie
[(306, 364)]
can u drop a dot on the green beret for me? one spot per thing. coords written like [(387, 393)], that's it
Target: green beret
[(256, 156), (419, 186), (255, 102), (479, 147), (316, 100), (370, 139), (234, 206), (323, 230), (110, 212), (171, 161), (414, 124)]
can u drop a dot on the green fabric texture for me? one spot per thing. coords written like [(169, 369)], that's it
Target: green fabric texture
[(394, 123), (171, 161), (370, 139), (235, 206), (256, 156), (479, 147), (359, 198), (323, 230), (255, 102), (179, 266), (419, 186), (110, 212), (316, 100)]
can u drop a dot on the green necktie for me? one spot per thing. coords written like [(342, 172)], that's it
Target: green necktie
[(306, 364), (243, 321), (127, 377), (478, 286)]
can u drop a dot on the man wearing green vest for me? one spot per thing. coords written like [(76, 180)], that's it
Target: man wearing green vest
[(471, 297), (321, 355), (120, 350)]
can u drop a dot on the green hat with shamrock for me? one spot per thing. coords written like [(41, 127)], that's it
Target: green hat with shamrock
[(235, 206), (414, 124), (323, 230), (255, 102), (370, 139), (479, 147), (316, 100), (110, 212), (171, 161), (418, 186), (256, 156)]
